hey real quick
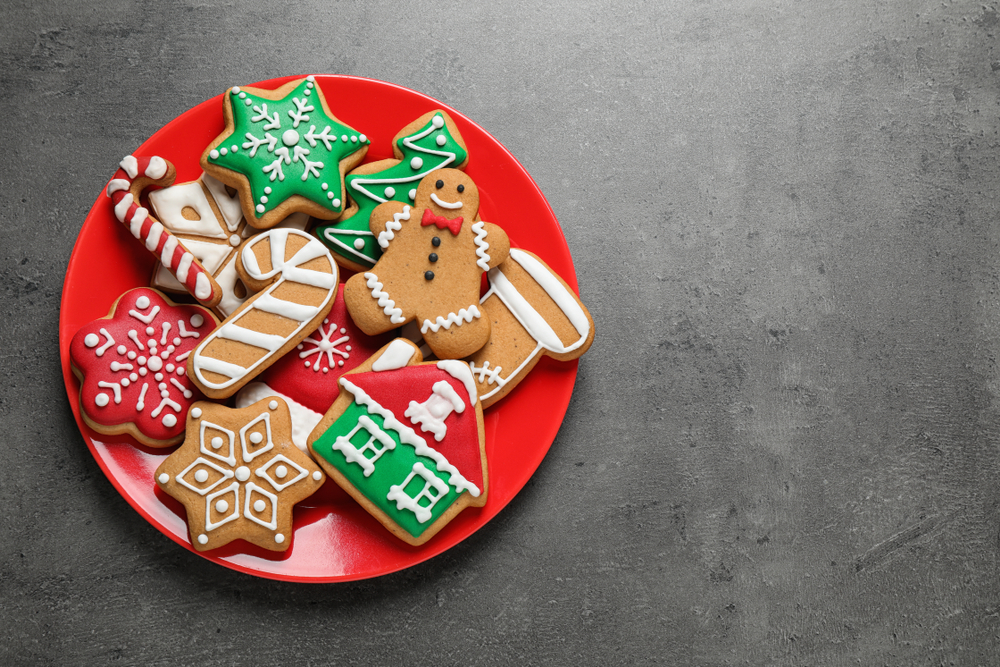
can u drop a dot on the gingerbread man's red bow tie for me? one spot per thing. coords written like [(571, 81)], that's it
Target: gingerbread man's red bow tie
[(454, 225)]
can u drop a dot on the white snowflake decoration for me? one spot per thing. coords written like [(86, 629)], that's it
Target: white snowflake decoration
[(325, 347)]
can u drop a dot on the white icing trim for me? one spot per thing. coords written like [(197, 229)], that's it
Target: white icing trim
[(130, 165), (481, 246), (462, 316), (396, 355), (393, 226), (304, 420), (458, 370), (453, 206), (388, 306)]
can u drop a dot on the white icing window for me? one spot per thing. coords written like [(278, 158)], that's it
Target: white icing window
[(376, 445), (423, 502)]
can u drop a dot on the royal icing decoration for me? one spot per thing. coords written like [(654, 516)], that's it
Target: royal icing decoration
[(239, 473), (220, 376), (286, 147), (132, 366), (373, 445), (151, 232), (431, 147)]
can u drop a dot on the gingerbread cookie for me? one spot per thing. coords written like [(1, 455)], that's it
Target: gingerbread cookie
[(133, 176), (300, 278), (238, 475), (434, 255), (428, 143), (406, 440), (534, 314), (284, 151), (131, 366)]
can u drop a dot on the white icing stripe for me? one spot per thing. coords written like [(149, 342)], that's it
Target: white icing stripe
[(446, 204), (202, 287), (122, 207), (393, 226), (410, 437), (461, 372), (214, 365), (130, 165), (135, 226), (293, 311), (481, 246), (269, 342), (555, 289), (183, 266), (153, 236), (388, 306), (117, 184), (156, 169), (462, 316), (167, 254), (523, 311)]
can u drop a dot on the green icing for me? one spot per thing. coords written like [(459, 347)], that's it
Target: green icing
[(287, 147), (369, 190), (391, 468)]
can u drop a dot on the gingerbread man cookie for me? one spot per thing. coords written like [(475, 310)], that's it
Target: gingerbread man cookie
[(433, 256), (238, 475)]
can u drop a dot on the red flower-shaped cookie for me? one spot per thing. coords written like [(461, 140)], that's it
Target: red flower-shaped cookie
[(132, 366)]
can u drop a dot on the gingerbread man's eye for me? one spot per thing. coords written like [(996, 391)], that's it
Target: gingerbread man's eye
[(439, 184), (461, 189)]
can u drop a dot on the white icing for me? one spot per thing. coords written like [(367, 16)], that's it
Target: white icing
[(117, 184), (445, 204), (393, 226), (324, 346), (481, 246), (396, 355), (304, 420), (388, 306), (109, 341), (153, 236), (432, 413), (91, 340), (157, 168), (146, 318), (130, 165), (229, 205), (169, 203), (458, 370), (416, 163), (397, 492), (457, 319), (378, 444)]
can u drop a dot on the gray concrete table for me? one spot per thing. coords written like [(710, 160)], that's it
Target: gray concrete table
[(783, 447)]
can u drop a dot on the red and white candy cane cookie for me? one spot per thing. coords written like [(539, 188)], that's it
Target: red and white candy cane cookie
[(134, 175), (131, 366)]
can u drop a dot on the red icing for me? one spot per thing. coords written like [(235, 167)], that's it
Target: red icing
[(394, 390), (296, 376), (96, 369), (454, 225)]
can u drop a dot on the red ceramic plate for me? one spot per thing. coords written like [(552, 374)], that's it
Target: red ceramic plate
[(335, 540)]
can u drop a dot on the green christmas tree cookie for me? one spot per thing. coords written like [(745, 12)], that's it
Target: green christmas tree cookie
[(428, 143), (284, 151)]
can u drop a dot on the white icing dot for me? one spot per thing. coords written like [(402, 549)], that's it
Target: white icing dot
[(263, 199), (141, 361), (197, 320), (121, 349), (347, 347), (101, 400), (170, 421), (234, 148), (309, 84), (91, 340), (224, 151), (359, 243), (260, 208), (158, 377), (416, 163), (354, 139), (307, 364), (216, 441), (243, 96), (290, 137), (362, 138), (165, 353), (131, 355), (259, 505), (336, 202), (307, 91), (281, 472), (177, 341), (343, 137), (170, 368), (203, 539), (343, 331), (242, 473), (214, 154), (437, 121), (413, 194), (149, 332), (256, 438), (279, 538), (310, 78), (142, 303), (441, 140), (155, 364), (273, 405), (164, 478), (267, 190), (248, 102), (390, 193), (221, 506), (133, 377), (325, 186), (317, 475), (125, 382), (340, 362), (196, 412), (164, 394), (236, 90), (181, 370), (143, 372), (234, 241), (329, 195), (201, 476)]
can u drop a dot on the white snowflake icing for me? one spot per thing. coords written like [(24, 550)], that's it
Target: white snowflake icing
[(325, 347)]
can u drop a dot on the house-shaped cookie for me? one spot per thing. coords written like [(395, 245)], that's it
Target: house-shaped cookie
[(406, 440)]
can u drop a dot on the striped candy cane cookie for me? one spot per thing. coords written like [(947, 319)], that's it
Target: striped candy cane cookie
[(124, 189), (297, 282)]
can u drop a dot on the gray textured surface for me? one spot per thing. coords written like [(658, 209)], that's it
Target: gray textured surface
[(782, 449)]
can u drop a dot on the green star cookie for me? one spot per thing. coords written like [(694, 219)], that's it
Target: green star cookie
[(284, 151)]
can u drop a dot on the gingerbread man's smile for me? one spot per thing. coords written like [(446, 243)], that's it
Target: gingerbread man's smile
[(445, 204)]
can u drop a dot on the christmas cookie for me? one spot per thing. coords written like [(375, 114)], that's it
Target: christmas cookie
[(428, 143), (238, 475), (405, 439), (534, 314), (208, 220), (284, 151), (306, 377), (296, 281), (433, 257), (131, 366), (133, 176)]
